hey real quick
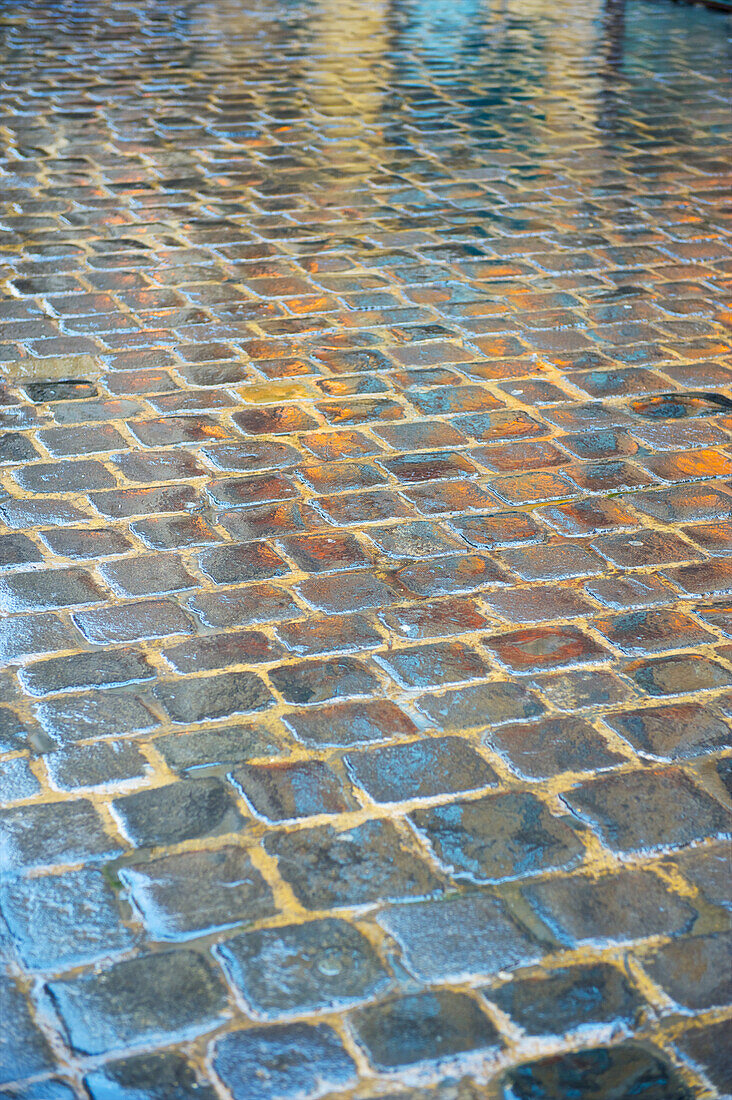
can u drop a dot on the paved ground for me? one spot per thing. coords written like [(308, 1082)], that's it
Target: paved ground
[(366, 496)]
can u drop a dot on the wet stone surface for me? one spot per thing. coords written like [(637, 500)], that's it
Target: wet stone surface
[(498, 837), (365, 494), (283, 1061), (165, 1076), (599, 1074), (63, 920), (162, 996), (48, 1089), (307, 966), (458, 937), (570, 997), (229, 890), (24, 1050), (359, 865), (177, 812), (423, 1027)]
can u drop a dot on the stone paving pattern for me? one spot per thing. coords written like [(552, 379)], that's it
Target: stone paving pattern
[(365, 502)]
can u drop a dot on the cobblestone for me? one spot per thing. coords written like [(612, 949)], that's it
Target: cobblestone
[(498, 837), (229, 889), (598, 1074), (626, 905), (24, 1050), (176, 812), (305, 967), (706, 958), (158, 1076), (423, 1027), (420, 769), (167, 994), (285, 1061), (450, 940), (706, 1047), (364, 551), (44, 834), (646, 809), (360, 865), (568, 998), (63, 920)]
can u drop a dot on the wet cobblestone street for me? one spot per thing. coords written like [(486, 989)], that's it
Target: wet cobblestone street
[(365, 531)]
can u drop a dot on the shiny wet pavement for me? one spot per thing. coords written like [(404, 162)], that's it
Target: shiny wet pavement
[(364, 509)]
